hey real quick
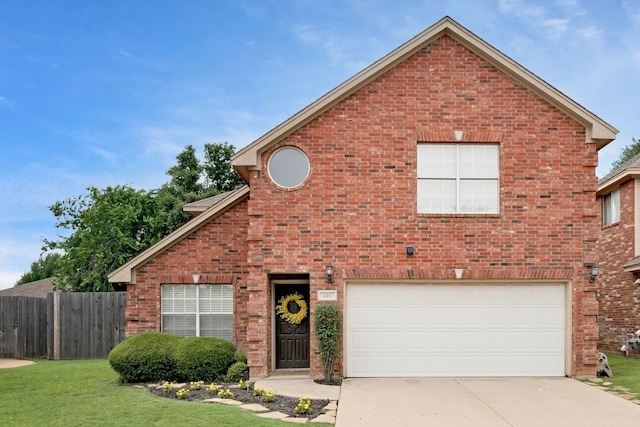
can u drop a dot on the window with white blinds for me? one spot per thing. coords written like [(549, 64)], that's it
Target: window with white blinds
[(458, 178), (198, 310)]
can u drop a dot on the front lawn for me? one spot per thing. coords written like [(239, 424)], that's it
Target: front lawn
[(85, 392), (626, 373)]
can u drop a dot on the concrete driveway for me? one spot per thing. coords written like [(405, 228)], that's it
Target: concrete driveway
[(480, 402)]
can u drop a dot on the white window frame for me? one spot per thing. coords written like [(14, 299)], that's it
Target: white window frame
[(456, 175), (611, 208), (224, 307)]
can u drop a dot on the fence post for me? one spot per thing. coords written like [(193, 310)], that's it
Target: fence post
[(56, 326)]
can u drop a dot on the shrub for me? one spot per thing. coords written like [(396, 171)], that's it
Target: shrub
[(328, 329), (240, 356), (146, 357), (238, 371), (200, 358)]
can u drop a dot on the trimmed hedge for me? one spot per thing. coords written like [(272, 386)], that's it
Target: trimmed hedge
[(203, 359), (155, 356), (145, 357)]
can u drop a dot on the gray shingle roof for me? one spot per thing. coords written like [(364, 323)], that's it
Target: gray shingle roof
[(37, 289), (632, 163)]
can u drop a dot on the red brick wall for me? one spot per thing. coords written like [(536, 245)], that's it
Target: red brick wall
[(217, 251), (618, 296), (358, 207)]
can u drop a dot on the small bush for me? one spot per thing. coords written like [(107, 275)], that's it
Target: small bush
[(146, 357), (240, 356), (328, 330), (237, 372), (200, 358)]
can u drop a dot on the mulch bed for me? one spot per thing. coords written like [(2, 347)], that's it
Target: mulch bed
[(283, 404)]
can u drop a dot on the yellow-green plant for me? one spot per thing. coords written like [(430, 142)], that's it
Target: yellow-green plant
[(183, 393), (225, 394), (269, 396), (196, 385), (259, 391), (169, 386), (213, 389), (244, 384), (303, 406)]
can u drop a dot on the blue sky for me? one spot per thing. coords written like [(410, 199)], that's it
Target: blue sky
[(105, 93)]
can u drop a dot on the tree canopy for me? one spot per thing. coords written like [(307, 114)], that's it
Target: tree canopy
[(627, 153), (110, 226), (43, 268)]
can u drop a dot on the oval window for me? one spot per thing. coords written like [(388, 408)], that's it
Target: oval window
[(288, 167)]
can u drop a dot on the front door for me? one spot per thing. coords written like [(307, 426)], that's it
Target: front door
[(291, 326)]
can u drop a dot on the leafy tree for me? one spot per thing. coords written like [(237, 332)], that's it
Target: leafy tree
[(627, 153), (217, 167), (109, 227), (43, 268), (185, 176)]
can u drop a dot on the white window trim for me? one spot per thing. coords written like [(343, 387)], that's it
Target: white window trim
[(197, 312), (458, 180), (608, 201)]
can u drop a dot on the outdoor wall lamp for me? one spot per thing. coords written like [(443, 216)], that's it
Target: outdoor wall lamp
[(196, 278), (595, 269), (329, 271)]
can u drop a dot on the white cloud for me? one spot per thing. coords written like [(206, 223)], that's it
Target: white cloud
[(556, 26), (520, 8), (125, 53)]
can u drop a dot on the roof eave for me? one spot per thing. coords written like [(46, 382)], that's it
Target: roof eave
[(617, 179), (126, 273)]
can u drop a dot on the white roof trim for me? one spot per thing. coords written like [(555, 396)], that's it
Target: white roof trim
[(126, 273), (598, 131)]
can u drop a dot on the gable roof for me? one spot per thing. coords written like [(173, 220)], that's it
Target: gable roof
[(199, 206), (628, 170), (597, 130), (126, 273), (36, 289)]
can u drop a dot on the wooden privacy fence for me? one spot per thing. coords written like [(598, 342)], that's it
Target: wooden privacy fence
[(65, 325)]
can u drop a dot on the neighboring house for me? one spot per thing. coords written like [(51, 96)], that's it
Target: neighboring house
[(444, 197), (619, 253), (37, 289)]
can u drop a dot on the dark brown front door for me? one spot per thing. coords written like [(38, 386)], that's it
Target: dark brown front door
[(292, 340)]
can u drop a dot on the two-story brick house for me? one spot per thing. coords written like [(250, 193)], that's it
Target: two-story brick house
[(619, 254), (444, 198)]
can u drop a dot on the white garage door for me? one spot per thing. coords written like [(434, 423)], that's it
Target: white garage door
[(433, 330)]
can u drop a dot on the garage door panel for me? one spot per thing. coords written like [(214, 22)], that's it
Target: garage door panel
[(455, 330)]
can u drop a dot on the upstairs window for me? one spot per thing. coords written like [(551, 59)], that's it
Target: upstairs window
[(198, 310), (458, 178), (611, 208)]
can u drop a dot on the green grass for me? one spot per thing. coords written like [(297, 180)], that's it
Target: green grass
[(626, 373), (86, 392)]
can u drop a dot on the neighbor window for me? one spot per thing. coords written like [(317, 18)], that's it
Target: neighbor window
[(458, 178), (611, 207), (198, 310)]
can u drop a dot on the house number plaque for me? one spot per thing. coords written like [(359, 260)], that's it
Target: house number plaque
[(327, 295)]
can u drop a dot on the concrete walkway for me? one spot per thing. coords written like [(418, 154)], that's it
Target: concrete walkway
[(516, 402), (298, 386)]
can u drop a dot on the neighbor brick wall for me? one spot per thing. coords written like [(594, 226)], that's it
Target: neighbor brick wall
[(217, 251), (358, 206), (618, 296)]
